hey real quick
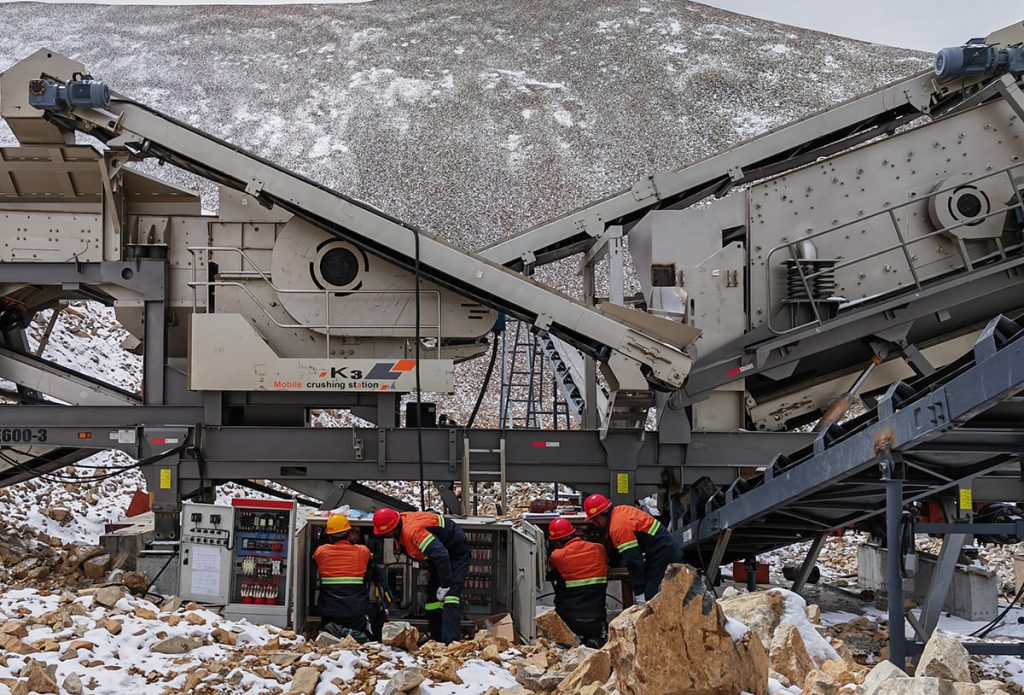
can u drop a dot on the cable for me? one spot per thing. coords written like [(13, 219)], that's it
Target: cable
[(994, 623), (419, 393), (487, 381)]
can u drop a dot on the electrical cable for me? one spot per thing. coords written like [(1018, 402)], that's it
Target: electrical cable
[(419, 393), (994, 623), (487, 381)]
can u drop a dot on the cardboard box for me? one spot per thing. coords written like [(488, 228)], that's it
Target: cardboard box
[(499, 625)]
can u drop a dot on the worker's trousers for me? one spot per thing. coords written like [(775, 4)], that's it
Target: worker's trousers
[(445, 617)]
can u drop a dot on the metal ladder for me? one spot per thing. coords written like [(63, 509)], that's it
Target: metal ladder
[(525, 403), (491, 471)]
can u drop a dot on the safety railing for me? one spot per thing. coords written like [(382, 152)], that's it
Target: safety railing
[(808, 279), (327, 327)]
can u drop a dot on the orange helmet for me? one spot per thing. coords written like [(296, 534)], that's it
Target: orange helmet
[(560, 528), (385, 520), (338, 523), (596, 504)]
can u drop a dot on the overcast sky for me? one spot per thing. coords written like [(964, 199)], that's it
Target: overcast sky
[(927, 25)]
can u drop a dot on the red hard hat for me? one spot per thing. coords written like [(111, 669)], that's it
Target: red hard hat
[(560, 528), (595, 504), (385, 520)]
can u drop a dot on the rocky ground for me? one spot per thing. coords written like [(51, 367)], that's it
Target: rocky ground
[(70, 624)]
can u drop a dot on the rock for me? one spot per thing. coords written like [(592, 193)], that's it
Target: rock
[(537, 678), (491, 653), (136, 582), (944, 657), (16, 628), (882, 672), (594, 667), (761, 611), (173, 645), (109, 595), (305, 680), (171, 604), (195, 619), (61, 515), (446, 671), (814, 613), (819, 683), (96, 568), (967, 689), (283, 659), (989, 687), (10, 643), (788, 655), (72, 684), (731, 591), (844, 672), (110, 625), (678, 643), (404, 681), (400, 634), (550, 625), (514, 691), (842, 650), (593, 689), (222, 636), (914, 686), (40, 680), (324, 639)]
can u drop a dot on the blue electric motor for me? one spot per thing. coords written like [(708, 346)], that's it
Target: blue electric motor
[(83, 92), (976, 58)]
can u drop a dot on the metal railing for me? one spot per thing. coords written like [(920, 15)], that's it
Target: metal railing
[(328, 295), (902, 243)]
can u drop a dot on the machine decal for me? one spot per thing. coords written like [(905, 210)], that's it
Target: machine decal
[(22, 435)]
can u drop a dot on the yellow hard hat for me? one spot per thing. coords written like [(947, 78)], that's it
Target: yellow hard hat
[(338, 523)]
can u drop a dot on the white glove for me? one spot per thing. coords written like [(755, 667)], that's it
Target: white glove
[(639, 600), (442, 592)]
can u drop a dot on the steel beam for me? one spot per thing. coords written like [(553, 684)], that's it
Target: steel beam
[(810, 560), (942, 580)]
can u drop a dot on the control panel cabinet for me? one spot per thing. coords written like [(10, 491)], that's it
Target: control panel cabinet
[(261, 561), (206, 544), (240, 557)]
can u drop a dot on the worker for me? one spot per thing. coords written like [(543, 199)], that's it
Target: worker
[(645, 546), (579, 574), (346, 570), (438, 539)]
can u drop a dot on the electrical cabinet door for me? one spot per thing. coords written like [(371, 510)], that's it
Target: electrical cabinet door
[(527, 578)]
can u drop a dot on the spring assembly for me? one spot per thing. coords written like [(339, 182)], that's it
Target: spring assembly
[(819, 275)]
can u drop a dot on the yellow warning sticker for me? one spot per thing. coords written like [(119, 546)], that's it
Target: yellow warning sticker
[(966, 498), (165, 478), (622, 483)]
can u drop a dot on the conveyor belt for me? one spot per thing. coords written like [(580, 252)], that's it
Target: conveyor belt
[(961, 422), (638, 352)]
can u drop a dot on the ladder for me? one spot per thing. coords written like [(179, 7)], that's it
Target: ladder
[(491, 471), (531, 397)]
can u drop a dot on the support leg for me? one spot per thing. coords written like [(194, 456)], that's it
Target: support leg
[(942, 579), (893, 528), (809, 562), (718, 554)]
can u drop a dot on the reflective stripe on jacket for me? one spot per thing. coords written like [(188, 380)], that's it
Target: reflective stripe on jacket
[(580, 578)]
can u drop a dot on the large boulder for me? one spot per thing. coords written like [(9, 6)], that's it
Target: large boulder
[(551, 625), (596, 666), (788, 655), (916, 686), (882, 672), (680, 643), (944, 657), (761, 611), (400, 634)]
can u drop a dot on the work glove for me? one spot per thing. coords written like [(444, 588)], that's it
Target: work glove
[(639, 600), (442, 592)]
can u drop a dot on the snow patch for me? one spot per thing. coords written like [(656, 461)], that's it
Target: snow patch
[(796, 614)]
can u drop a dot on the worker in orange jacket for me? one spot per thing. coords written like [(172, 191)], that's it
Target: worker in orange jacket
[(645, 546), (438, 539), (345, 574), (579, 574)]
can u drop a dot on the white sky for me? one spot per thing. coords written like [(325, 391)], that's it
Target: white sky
[(927, 25)]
